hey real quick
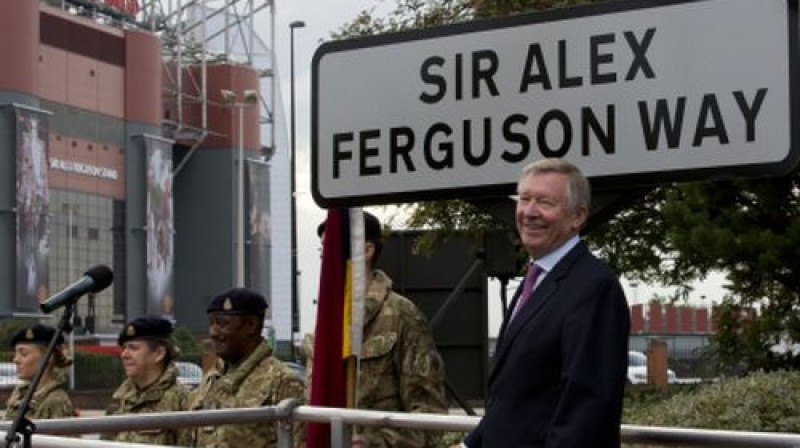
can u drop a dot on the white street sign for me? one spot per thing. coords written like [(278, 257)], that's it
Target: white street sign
[(631, 92)]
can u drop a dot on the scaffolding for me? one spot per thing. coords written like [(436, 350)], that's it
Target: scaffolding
[(195, 34)]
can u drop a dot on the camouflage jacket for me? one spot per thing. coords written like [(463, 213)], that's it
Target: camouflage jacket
[(400, 368), (49, 401), (164, 395), (260, 380)]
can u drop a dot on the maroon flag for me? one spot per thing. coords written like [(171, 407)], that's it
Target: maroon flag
[(329, 378)]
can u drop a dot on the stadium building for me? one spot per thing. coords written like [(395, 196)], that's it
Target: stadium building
[(128, 140)]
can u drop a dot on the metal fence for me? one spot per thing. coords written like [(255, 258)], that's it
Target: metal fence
[(341, 419), (42, 441)]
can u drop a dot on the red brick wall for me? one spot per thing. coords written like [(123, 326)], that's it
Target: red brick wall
[(672, 318), (656, 318), (701, 320), (686, 314), (637, 319)]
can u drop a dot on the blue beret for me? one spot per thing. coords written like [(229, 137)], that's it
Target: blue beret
[(146, 327), (37, 334), (238, 301)]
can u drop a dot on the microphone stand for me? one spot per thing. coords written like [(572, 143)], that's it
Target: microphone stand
[(21, 424)]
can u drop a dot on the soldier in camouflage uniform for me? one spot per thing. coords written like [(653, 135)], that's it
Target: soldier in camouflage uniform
[(400, 368), (148, 352), (50, 400), (246, 375)]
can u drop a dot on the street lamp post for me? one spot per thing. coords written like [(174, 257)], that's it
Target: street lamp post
[(293, 155), (240, 201), (249, 98)]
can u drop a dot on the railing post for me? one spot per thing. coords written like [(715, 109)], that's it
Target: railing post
[(285, 434), (285, 424), (340, 434)]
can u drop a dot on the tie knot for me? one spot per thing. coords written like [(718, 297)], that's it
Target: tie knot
[(533, 270)]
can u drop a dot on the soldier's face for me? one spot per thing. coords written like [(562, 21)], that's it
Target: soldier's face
[(229, 334), (140, 361), (27, 357)]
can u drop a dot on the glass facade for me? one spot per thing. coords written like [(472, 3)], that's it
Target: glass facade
[(87, 230)]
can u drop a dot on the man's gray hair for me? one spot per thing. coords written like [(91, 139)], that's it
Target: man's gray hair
[(578, 190)]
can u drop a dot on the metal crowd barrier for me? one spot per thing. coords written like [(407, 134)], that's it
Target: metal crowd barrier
[(43, 441), (341, 419)]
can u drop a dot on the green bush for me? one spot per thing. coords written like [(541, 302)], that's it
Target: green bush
[(451, 438), (97, 371), (190, 348), (763, 402)]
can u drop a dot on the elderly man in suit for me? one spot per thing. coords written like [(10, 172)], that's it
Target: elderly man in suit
[(559, 366)]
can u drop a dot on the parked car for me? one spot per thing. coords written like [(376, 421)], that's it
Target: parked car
[(637, 369), (8, 375), (189, 374)]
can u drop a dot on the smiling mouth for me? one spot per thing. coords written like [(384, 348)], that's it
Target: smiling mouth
[(531, 228)]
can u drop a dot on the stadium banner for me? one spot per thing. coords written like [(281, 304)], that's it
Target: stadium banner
[(160, 227), (33, 207), (259, 228)]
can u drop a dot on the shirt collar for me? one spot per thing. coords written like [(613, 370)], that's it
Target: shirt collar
[(549, 261)]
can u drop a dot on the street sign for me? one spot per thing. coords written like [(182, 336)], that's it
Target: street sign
[(631, 92)]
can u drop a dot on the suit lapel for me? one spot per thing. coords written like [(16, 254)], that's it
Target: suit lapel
[(540, 297)]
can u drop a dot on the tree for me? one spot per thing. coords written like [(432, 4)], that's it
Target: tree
[(749, 229), (407, 15), (675, 234)]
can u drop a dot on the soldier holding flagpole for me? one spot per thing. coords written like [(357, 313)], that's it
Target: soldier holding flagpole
[(398, 366)]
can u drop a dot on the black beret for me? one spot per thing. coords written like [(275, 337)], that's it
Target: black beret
[(238, 301), (37, 334), (146, 327), (372, 228)]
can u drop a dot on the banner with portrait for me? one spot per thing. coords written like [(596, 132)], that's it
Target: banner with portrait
[(259, 227), (33, 208), (160, 227)]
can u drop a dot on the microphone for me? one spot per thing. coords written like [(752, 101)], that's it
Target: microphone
[(95, 279)]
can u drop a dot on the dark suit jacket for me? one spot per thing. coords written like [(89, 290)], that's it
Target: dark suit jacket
[(559, 367)]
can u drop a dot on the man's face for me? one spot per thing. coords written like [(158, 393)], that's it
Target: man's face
[(229, 332), (544, 218)]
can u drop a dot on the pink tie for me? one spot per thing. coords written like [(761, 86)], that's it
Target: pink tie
[(527, 287)]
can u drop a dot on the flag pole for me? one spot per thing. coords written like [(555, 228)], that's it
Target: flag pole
[(358, 291)]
